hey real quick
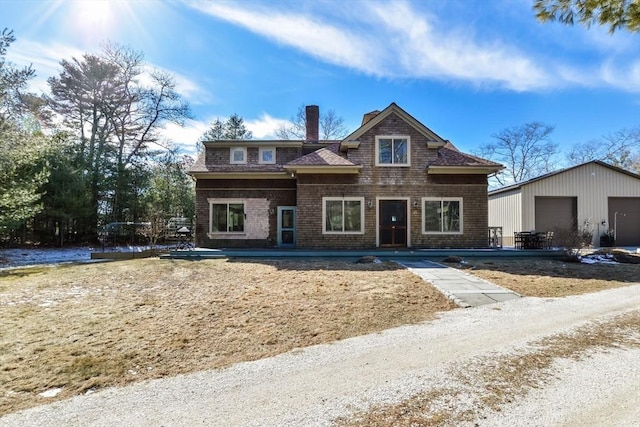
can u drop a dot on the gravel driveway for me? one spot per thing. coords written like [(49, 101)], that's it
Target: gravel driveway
[(313, 386)]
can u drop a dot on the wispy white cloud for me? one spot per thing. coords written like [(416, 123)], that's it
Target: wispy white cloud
[(622, 76), (265, 126), (611, 73), (391, 40), (45, 59), (191, 89), (400, 39), (185, 137), (598, 37), (188, 88), (307, 33), (425, 52)]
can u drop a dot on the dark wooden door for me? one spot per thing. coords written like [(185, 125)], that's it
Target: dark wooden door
[(392, 217)]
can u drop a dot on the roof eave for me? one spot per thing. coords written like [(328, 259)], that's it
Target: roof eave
[(313, 169), (241, 175), (462, 170), (253, 143), (345, 145)]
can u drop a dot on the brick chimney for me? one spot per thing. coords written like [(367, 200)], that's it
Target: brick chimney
[(312, 116)]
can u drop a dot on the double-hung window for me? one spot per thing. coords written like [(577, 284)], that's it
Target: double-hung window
[(238, 155), (393, 151), (442, 215), (343, 215), (226, 217)]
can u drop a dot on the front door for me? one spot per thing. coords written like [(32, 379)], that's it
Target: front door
[(392, 217), (286, 226)]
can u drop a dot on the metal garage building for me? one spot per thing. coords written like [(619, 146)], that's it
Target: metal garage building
[(594, 196)]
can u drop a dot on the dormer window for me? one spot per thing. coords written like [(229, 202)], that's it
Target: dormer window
[(238, 155), (267, 155), (393, 150)]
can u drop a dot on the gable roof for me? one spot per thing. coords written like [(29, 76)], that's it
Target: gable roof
[(433, 139), (331, 158), (560, 171)]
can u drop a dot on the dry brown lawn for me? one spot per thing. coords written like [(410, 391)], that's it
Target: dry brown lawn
[(539, 277), (86, 327)]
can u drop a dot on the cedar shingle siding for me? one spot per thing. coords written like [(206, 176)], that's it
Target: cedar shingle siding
[(344, 169)]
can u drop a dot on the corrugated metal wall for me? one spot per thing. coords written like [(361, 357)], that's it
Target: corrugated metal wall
[(592, 184), (505, 210)]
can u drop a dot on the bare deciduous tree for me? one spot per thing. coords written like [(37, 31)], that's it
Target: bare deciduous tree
[(526, 151), (620, 148), (331, 126)]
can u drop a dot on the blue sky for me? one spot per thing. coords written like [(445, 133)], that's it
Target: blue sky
[(466, 69)]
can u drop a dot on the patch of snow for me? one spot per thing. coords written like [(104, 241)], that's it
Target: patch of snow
[(11, 258), (598, 259), (51, 392), (35, 256)]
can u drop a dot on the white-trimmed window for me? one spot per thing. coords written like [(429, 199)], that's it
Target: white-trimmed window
[(267, 155), (226, 216), (238, 155), (442, 215), (343, 215), (393, 150)]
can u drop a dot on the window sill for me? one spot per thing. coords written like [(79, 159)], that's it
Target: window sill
[(443, 233), (342, 233)]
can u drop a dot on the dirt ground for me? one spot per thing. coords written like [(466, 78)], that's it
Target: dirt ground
[(85, 327), (495, 381)]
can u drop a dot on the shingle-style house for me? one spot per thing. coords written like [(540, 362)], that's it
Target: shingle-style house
[(391, 183)]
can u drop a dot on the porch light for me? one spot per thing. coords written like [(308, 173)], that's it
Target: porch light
[(416, 204), (369, 204)]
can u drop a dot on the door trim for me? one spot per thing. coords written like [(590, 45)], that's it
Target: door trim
[(279, 227), (407, 201)]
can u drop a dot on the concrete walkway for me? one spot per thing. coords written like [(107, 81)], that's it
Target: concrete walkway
[(464, 289)]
